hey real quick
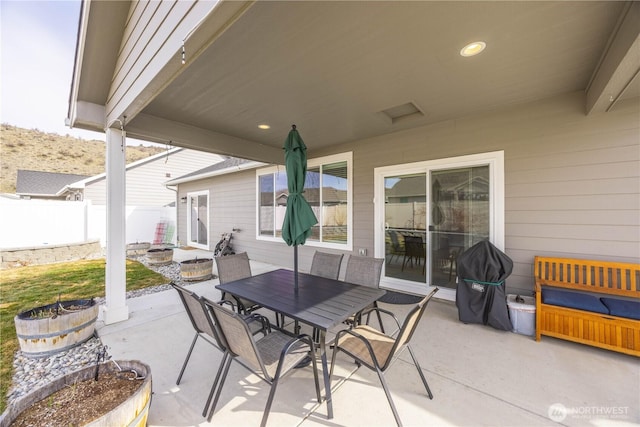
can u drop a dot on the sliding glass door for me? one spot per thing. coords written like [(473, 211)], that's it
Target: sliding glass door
[(460, 217), (405, 207), (428, 213)]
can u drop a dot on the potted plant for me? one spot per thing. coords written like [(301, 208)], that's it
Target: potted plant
[(137, 248), (160, 256), (108, 394), (196, 269), (45, 330)]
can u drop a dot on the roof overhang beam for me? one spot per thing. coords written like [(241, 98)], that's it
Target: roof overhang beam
[(156, 129), (619, 66)]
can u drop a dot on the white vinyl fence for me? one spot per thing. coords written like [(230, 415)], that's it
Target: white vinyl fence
[(27, 223)]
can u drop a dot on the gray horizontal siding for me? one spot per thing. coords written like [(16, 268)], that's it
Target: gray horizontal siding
[(572, 182), (145, 182)]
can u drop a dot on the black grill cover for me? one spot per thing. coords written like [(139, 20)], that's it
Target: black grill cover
[(480, 295)]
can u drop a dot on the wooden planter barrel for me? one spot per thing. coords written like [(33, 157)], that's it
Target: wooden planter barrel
[(138, 249), (132, 412), (196, 269), (41, 335), (162, 256)]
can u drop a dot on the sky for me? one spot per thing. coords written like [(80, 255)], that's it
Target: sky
[(37, 51)]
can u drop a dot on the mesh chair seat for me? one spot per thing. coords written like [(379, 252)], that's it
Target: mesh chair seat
[(270, 348), (381, 344)]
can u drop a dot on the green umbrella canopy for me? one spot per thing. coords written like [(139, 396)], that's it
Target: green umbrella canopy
[(299, 217)]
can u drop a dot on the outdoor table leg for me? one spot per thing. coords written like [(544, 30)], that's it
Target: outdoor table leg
[(325, 373)]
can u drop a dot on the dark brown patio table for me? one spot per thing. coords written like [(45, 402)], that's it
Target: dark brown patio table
[(319, 302)]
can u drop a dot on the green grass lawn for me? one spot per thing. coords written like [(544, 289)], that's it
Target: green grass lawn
[(30, 287)]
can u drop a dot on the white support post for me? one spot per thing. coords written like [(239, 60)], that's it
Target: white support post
[(116, 309)]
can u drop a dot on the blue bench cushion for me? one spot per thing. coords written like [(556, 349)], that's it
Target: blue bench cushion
[(572, 299), (622, 308)]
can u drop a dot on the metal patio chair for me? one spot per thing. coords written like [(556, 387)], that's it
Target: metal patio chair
[(270, 358), (205, 328), (414, 251), (395, 248), (326, 265), (235, 267), (377, 351), (365, 271)]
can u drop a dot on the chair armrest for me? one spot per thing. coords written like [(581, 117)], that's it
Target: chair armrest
[(381, 310), (226, 301), (365, 341), (300, 338), (255, 317)]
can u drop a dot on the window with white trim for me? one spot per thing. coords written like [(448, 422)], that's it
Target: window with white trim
[(327, 189)]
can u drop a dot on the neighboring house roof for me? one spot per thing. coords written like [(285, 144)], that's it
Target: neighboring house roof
[(411, 186), (231, 164), (330, 196), (90, 179), (36, 183)]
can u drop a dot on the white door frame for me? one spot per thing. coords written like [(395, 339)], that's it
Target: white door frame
[(495, 161), (189, 213)]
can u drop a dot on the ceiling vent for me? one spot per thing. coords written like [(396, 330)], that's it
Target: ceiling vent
[(403, 112)]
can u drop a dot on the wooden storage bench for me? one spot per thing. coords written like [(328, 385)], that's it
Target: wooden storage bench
[(575, 299)]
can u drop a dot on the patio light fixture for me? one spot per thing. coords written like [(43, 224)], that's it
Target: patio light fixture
[(264, 126), (473, 48)]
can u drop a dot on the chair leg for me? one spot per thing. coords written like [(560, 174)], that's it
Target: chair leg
[(375, 304), (315, 376), (184, 365), (388, 393), (424, 380), (336, 349), (222, 380), (267, 408), (215, 383), (280, 320)]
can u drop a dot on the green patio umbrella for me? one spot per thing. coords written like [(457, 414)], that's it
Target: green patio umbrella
[(299, 217)]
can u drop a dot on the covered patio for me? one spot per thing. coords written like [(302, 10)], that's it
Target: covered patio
[(479, 375), (381, 91)]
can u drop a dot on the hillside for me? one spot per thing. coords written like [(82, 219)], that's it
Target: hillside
[(31, 149)]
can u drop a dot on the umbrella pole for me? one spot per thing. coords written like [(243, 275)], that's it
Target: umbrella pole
[(295, 268)]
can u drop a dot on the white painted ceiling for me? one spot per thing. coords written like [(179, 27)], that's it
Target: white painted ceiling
[(331, 68)]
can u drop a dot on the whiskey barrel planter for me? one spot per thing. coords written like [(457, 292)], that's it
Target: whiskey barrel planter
[(161, 256), (196, 269), (57, 327), (132, 412), (138, 249)]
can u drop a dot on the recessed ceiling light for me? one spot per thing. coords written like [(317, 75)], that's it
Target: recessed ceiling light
[(473, 49), (264, 126)]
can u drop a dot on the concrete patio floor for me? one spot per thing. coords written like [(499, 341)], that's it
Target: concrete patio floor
[(479, 376)]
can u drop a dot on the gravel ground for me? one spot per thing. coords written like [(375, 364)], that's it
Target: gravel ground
[(31, 373)]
